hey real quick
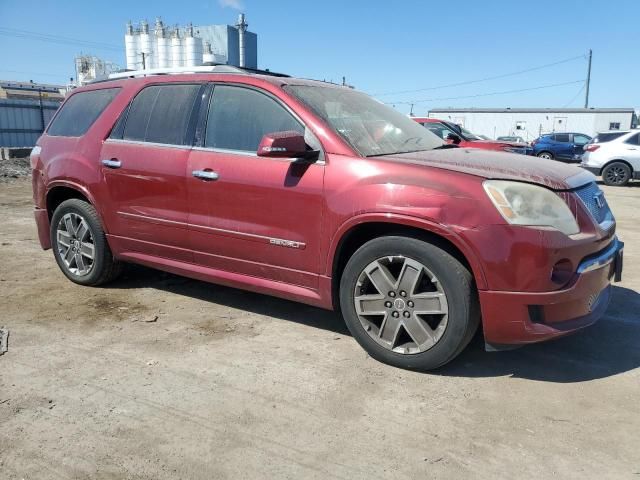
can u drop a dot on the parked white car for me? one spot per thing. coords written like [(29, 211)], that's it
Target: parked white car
[(615, 156)]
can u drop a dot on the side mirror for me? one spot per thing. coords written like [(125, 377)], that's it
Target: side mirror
[(453, 138), (289, 144)]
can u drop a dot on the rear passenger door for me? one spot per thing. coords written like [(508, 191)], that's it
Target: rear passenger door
[(562, 146), (254, 215), (144, 164)]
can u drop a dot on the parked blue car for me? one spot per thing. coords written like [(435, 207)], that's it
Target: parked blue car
[(566, 147)]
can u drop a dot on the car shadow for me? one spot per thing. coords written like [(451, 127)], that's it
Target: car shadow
[(136, 276), (608, 348)]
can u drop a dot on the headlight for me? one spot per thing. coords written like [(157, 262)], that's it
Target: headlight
[(532, 205)]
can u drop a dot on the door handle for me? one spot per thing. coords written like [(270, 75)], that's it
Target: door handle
[(205, 175), (112, 163)]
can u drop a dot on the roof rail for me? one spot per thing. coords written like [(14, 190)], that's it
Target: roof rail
[(166, 71), (212, 68)]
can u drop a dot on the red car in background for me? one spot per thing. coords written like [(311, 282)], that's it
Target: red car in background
[(452, 133)]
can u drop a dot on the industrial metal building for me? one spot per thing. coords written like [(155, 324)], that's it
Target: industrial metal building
[(190, 46), (529, 123), (25, 111)]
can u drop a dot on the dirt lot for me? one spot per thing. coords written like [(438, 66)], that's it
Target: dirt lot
[(160, 377)]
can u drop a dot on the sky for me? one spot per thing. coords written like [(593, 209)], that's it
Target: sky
[(429, 53)]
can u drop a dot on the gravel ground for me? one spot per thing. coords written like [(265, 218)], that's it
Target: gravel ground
[(161, 377), (14, 168)]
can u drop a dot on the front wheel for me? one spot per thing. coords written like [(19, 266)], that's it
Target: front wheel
[(408, 303), (80, 244), (616, 174)]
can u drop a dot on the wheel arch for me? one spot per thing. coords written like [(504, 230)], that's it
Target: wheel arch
[(58, 192), (359, 231), (618, 160)]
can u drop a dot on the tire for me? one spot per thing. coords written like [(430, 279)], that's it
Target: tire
[(546, 155), (616, 174), (404, 340), (80, 246)]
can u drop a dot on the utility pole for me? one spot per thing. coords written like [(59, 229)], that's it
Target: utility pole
[(586, 96), (411, 111), (143, 62)]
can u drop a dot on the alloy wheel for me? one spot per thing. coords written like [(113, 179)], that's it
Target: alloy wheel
[(616, 175), (401, 304), (75, 244)]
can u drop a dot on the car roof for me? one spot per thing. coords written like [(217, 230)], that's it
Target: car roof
[(623, 132), (208, 72)]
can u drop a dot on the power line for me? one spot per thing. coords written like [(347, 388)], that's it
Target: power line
[(13, 32), (409, 102), (576, 96), (485, 79)]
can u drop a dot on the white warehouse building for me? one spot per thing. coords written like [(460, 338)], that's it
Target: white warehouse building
[(530, 123)]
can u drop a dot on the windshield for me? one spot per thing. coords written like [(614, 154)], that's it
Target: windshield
[(370, 127), (469, 135)]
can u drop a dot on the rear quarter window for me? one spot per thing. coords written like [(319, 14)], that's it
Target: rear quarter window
[(80, 111)]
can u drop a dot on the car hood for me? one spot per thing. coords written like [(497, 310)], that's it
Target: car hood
[(499, 165)]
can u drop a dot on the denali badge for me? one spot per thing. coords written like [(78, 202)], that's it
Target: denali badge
[(599, 198), (286, 243)]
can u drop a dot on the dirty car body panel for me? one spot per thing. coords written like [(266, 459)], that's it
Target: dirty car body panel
[(276, 226)]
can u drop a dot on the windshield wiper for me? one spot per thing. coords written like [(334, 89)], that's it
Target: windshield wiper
[(396, 153), (447, 145)]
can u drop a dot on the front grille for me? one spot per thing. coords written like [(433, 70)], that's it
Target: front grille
[(593, 198)]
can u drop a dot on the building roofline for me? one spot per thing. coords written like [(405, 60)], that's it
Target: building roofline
[(532, 110)]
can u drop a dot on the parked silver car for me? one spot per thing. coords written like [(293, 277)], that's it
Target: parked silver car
[(615, 155)]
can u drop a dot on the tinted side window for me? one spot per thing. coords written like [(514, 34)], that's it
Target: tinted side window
[(80, 111), (562, 137), (239, 117), (606, 137), (161, 113), (439, 129), (634, 139)]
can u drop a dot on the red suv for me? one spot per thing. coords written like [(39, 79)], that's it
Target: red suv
[(452, 133), (319, 194)]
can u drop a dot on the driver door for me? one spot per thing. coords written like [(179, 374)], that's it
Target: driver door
[(253, 215)]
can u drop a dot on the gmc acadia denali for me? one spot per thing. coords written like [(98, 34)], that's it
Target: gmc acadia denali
[(317, 193)]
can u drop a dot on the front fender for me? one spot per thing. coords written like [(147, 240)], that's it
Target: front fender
[(409, 221)]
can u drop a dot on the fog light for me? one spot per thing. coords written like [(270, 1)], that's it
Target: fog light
[(562, 272)]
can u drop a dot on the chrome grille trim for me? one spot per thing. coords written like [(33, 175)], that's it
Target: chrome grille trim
[(593, 199)]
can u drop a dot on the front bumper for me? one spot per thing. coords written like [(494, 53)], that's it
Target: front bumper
[(516, 318), (594, 170), (520, 150)]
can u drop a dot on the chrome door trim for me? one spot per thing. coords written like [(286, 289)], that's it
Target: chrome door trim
[(280, 242), (147, 144)]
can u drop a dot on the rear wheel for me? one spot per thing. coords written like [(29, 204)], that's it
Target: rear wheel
[(408, 303), (616, 174), (80, 245), (546, 155)]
